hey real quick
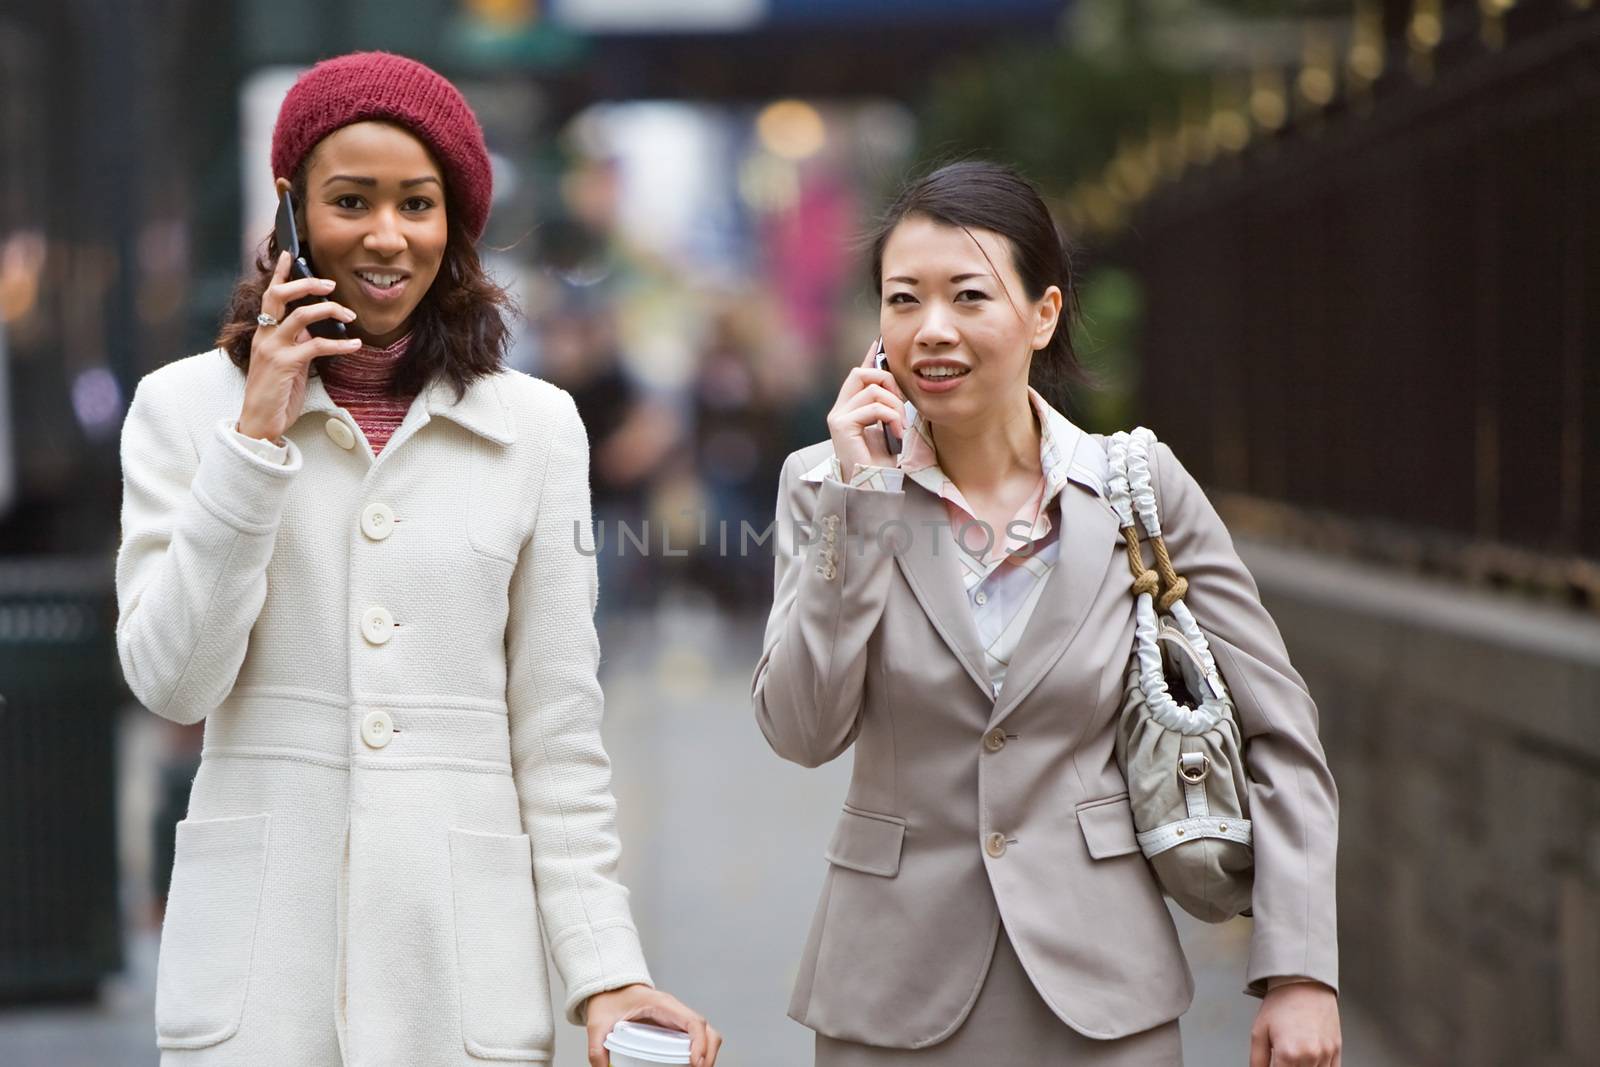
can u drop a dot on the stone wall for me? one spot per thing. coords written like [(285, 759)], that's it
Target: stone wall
[(1463, 729)]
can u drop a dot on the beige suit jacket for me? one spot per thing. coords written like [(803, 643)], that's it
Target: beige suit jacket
[(871, 642)]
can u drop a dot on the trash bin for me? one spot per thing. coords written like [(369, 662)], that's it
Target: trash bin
[(60, 686)]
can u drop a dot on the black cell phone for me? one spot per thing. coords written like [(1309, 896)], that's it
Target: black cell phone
[(300, 267), (881, 361)]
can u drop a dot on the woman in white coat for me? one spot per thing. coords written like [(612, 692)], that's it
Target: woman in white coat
[(372, 576)]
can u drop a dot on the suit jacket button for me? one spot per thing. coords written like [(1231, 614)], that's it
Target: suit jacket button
[(995, 844), (994, 740)]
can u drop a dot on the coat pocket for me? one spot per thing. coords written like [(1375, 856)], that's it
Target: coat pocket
[(495, 512), (1107, 827), (868, 842), (209, 934), (505, 999)]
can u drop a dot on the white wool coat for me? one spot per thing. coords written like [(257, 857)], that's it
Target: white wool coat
[(403, 800)]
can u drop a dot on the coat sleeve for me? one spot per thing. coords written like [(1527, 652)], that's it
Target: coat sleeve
[(830, 582), (555, 705), (1294, 806), (199, 521)]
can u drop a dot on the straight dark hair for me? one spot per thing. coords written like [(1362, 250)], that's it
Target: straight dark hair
[(459, 331), (992, 196)]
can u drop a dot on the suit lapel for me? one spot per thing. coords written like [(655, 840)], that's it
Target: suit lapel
[(934, 574), (1089, 548), (1089, 540)]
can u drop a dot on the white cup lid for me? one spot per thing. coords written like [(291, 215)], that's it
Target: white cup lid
[(652, 1043)]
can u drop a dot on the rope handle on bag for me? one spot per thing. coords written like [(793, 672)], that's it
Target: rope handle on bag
[(1129, 491), (1130, 456)]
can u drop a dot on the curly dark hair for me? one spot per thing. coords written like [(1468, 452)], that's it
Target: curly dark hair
[(459, 330)]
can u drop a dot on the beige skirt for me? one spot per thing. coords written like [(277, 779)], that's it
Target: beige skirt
[(1011, 1024)]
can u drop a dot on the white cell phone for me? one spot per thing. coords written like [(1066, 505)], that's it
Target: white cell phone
[(881, 360)]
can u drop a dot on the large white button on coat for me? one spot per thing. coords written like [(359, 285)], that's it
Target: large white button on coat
[(377, 521), (377, 728), (342, 435), (376, 625)]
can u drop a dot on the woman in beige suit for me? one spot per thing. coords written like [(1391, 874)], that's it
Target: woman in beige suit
[(954, 608)]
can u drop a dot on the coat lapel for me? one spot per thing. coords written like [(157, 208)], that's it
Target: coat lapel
[(480, 409), (316, 399)]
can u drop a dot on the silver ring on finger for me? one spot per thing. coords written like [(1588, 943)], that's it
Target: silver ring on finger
[(264, 319)]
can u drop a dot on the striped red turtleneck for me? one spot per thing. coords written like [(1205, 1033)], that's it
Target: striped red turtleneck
[(359, 383)]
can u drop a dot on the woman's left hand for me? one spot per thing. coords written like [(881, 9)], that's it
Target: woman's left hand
[(1297, 1026), (640, 1003)]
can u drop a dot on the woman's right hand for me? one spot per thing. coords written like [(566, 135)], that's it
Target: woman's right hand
[(869, 396), (281, 355)]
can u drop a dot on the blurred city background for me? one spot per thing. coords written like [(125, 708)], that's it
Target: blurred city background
[(1343, 256)]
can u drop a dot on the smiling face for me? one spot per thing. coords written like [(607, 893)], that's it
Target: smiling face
[(374, 219), (954, 302)]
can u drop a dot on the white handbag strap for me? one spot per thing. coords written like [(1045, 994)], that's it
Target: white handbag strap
[(1131, 494)]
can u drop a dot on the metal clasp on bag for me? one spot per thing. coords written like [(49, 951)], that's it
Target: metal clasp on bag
[(1193, 767)]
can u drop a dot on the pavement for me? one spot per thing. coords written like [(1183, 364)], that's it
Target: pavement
[(722, 850)]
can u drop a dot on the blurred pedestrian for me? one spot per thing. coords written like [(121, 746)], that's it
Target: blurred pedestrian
[(738, 435), (969, 632), (631, 437), (363, 563)]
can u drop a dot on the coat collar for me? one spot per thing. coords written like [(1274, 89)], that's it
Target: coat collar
[(481, 410)]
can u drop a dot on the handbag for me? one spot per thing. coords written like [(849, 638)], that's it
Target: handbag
[(1178, 740)]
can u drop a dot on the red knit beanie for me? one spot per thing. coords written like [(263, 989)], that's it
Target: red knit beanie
[(381, 85)]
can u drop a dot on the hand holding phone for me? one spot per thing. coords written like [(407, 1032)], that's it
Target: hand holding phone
[(300, 267), (282, 351), (869, 403)]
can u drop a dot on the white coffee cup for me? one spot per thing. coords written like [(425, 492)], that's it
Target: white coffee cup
[(643, 1045)]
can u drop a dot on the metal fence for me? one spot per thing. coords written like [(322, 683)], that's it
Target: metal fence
[(1390, 316)]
